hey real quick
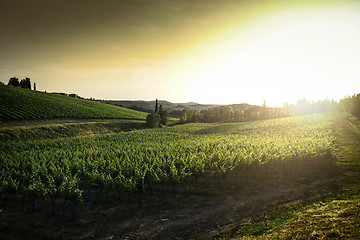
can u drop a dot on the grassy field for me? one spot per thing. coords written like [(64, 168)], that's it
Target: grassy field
[(274, 172), (52, 129), (24, 104)]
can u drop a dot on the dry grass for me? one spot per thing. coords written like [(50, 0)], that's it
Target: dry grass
[(338, 219)]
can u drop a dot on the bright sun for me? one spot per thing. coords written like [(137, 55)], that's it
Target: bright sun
[(302, 53)]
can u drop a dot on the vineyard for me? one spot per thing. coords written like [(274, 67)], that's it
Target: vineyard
[(185, 155), (23, 104)]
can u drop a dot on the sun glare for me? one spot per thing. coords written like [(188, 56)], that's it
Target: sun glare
[(302, 53)]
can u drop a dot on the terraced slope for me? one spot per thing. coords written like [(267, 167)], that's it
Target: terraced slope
[(22, 104)]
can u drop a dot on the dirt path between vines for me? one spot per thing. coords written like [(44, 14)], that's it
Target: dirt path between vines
[(61, 122), (214, 219)]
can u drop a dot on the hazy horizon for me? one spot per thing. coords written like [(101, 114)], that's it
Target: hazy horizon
[(208, 52)]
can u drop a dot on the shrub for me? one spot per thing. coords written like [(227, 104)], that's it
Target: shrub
[(153, 120)]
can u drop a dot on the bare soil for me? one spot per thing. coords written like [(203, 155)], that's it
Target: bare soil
[(60, 122)]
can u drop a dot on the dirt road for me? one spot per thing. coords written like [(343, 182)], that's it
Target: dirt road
[(61, 122)]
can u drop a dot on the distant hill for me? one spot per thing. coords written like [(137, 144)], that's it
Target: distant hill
[(148, 106), (19, 104)]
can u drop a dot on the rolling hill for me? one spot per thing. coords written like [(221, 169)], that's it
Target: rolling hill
[(24, 104), (149, 105)]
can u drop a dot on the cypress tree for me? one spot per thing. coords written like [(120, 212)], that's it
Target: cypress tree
[(22, 83), (156, 105), (27, 83)]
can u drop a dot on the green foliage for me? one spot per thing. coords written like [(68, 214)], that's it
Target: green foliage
[(352, 105), (14, 81), (304, 106), (156, 105), (153, 120), (164, 116), (25, 83), (190, 116), (227, 113), (63, 168), (22, 104)]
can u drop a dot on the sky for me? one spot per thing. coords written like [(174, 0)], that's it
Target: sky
[(205, 51)]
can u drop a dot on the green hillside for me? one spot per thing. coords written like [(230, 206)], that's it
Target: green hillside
[(22, 104)]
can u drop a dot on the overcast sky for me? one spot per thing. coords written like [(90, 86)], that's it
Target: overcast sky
[(207, 51)]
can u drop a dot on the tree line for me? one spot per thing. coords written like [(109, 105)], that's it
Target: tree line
[(352, 104), (304, 107), (24, 83), (230, 113), (246, 112)]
